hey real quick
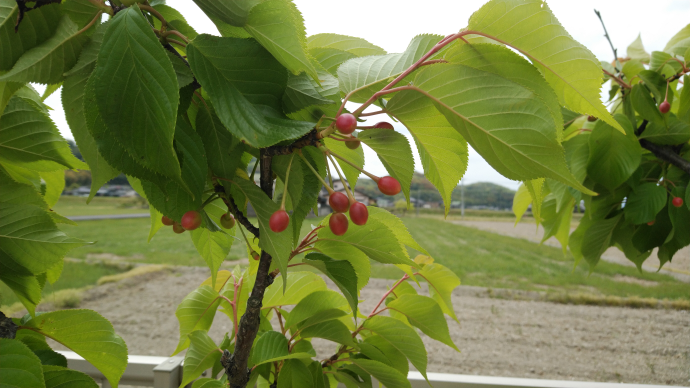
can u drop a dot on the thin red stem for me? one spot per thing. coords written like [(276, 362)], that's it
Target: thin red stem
[(373, 312)]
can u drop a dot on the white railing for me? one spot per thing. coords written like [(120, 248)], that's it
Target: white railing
[(166, 372)]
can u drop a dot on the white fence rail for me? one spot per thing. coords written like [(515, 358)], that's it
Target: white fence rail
[(166, 372)]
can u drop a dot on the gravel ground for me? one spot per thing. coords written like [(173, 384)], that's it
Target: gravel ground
[(678, 268), (496, 337)]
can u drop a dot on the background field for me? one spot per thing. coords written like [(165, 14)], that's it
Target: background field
[(479, 258)]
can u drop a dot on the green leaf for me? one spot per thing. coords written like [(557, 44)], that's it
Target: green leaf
[(648, 237), (386, 375), (680, 219), (172, 199), (20, 192), (213, 247), (272, 345), (294, 374), (299, 285), (679, 42), (577, 155), (7, 90), (332, 330), (59, 377), (341, 272), (317, 307), (631, 69), (396, 225), (367, 75), (176, 21), (330, 59), (203, 353), (425, 314), (25, 285), (671, 131), (132, 62), (47, 62), (520, 144), (223, 150), (302, 93), (355, 156), (636, 50), (597, 239), (279, 245), (644, 203), (279, 27), (327, 87), (395, 154), (244, 91), (89, 335), (19, 366), (556, 220), (208, 383), (530, 27), (345, 252), (54, 184), (442, 150), (182, 71), (613, 157), (501, 61), (442, 281), (229, 11), (37, 26), (73, 103), (89, 53), (355, 46), (29, 137), (402, 337), (30, 238), (375, 239), (521, 202), (196, 313)]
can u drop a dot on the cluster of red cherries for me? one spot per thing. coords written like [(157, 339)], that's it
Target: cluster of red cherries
[(340, 203)]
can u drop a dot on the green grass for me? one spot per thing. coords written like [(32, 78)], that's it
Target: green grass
[(479, 258), (76, 206), (74, 275)]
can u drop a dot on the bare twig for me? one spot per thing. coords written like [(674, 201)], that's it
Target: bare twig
[(665, 153), (606, 35)]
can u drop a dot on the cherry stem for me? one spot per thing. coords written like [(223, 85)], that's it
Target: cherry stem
[(373, 312), (177, 42), (245, 238), (342, 179), (287, 177), (251, 177), (91, 23), (373, 113), (346, 139), (318, 176), (174, 32), (617, 79), (666, 96), (372, 176), (330, 174), (208, 200)]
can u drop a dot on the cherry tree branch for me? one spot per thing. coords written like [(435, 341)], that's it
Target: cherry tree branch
[(606, 35), (235, 364), (8, 329)]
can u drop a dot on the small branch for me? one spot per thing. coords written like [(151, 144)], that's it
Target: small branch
[(310, 139), (378, 112), (666, 154), (606, 35), (177, 42), (230, 203), (617, 79), (8, 329), (174, 32), (373, 312), (433, 61)]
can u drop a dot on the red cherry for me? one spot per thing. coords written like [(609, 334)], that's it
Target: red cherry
[(384, 125), (591, 118), (650, 223), (359, 214), (177, 228), (166, 221), (677, 201), (353, 145), (664, 107), (191, 220), (338, 224), (346, 123), (227, 221), (279, 221), (255, 256), (389, 185), (339, 202)]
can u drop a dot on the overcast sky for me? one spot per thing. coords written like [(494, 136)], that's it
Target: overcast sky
[(391, 24)]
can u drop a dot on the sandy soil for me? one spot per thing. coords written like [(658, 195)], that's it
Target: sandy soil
[(496, 337), (679, 267)]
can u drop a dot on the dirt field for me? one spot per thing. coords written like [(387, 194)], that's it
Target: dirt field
[(496, 337), (678, 268)]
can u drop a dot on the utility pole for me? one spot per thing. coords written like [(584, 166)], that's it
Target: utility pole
[(462, 198)]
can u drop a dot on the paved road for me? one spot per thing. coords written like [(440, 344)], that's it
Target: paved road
[(109, 217)]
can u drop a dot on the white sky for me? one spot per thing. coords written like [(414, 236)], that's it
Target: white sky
[(391, 24)]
